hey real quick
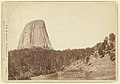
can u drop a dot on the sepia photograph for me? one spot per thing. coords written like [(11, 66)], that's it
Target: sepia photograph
[(63, 41)]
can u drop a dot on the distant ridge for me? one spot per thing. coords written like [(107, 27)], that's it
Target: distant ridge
[(34, 35)]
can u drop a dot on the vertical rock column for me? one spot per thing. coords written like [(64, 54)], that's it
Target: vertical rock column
[(34, 35)]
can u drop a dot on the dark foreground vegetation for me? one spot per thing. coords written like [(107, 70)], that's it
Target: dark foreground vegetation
[(26, 63)]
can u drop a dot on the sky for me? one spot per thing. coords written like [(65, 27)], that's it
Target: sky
[(69, 24)]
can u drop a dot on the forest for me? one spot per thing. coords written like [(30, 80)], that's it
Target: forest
[(26, 63)]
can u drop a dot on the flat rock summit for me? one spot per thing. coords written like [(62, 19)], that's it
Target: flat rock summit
[(34, 35)]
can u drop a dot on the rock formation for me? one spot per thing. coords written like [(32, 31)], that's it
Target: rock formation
[(34, 35)]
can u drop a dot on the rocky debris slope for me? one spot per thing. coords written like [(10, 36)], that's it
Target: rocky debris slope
[(34, 35), (101, 68)]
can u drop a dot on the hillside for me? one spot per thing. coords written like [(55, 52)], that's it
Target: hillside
[(96, 68)]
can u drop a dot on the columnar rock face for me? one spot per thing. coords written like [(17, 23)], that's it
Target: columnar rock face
[(34, 35)]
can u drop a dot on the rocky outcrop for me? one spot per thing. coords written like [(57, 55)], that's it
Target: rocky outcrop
[(34, 35)]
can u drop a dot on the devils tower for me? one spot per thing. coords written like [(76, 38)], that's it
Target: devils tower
[(34, 35)]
